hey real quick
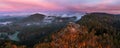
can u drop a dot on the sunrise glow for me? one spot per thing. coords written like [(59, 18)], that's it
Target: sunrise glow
[(109, 6)]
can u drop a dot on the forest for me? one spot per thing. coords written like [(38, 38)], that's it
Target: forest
[(93, 30)]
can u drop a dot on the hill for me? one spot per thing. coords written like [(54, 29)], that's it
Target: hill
[(103, 23), (34, 18), (94, 30), (76, 36)]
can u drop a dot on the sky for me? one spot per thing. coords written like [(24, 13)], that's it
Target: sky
[(14, 6)]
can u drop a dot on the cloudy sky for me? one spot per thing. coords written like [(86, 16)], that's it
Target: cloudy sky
[(109, 6)]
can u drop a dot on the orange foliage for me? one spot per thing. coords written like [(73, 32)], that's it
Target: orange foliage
[(77, 36)]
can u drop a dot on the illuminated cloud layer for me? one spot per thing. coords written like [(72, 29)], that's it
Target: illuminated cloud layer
[(109, 6)]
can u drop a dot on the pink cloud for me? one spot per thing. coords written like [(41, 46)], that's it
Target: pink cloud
[(107, 6), (77, 5), (29, 5)]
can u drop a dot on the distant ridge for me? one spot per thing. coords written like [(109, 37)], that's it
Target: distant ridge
[(35, 17)]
